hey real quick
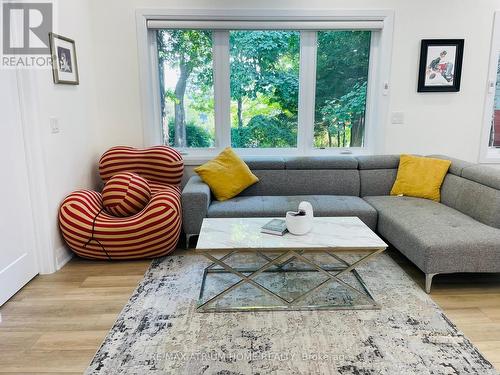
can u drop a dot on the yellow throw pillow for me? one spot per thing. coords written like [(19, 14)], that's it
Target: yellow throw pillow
[(227, 175), (420, 177)]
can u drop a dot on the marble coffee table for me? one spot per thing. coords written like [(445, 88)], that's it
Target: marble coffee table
[(252, 271)]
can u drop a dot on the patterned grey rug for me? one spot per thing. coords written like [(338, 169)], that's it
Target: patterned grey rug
[(160, 332)]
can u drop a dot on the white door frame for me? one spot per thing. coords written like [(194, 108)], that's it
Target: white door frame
[(35, 157)]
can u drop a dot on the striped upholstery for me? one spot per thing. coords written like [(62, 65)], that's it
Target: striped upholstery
[(159, 164), (125, 194), (92, 232)]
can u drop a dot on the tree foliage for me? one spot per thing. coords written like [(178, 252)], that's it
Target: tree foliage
[(341, 84), (266, 132), (190, 51), (339, 116), (264, 87), (196, 136), (264, 69)]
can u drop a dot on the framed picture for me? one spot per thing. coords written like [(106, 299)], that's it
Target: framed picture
[(440, 65), (64, 65)]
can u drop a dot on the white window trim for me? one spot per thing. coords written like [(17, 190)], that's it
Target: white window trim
[(490, 154), (378, 76)]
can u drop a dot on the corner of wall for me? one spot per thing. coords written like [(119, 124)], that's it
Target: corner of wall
[(63, 256)]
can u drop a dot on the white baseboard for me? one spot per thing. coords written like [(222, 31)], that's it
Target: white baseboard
[(63, 256)]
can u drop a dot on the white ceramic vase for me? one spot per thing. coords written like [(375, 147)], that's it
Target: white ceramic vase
[(300, 225)]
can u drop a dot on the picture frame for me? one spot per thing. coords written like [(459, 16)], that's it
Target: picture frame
[(64, 60), (440, 67)]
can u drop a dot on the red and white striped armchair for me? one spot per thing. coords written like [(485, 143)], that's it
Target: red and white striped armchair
[(138, 214)]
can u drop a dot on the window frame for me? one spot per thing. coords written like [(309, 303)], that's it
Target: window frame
[(377, 102), (491, 154)]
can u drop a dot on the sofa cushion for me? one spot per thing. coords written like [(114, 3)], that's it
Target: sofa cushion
[(479, 201), (376, 181), (366, 162), (377, 173), (321, 162), (457, 165), (277, 206), (437, 238), (484, 175), (263, 163), (305, 182)]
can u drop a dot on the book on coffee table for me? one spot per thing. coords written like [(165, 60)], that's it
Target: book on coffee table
[(275, 226)]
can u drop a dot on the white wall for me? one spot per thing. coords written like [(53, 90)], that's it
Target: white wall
[(448, 123), (70, 156)]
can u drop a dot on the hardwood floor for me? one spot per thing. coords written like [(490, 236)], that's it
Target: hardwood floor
[(56, 323)]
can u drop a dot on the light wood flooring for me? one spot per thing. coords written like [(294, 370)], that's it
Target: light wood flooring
[(56, 323)]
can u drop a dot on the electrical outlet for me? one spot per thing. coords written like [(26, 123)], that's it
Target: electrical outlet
[(398, 118), (54, 125)]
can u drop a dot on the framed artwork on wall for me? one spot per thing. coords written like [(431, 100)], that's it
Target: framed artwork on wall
[(64, 64), (440, 65)]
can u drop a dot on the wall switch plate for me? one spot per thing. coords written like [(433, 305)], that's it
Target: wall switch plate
[(398, 118), (491, 86), (54, 125), (385, 90)]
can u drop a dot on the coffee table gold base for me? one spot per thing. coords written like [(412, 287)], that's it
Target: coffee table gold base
[(276, 265)]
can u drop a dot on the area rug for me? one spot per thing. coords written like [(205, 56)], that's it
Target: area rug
[(160, 332)]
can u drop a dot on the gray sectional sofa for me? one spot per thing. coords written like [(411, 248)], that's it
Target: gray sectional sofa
[(460, 234)]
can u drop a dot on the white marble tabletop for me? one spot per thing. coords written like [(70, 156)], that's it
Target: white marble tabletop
[(347, 233)]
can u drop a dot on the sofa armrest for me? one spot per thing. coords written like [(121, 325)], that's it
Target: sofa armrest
[(196, 198)]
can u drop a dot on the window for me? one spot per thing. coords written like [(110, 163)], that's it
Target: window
[(264, 85), (490, 147), (186, 87), (494, 139), (341, 85), (282, 86)]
